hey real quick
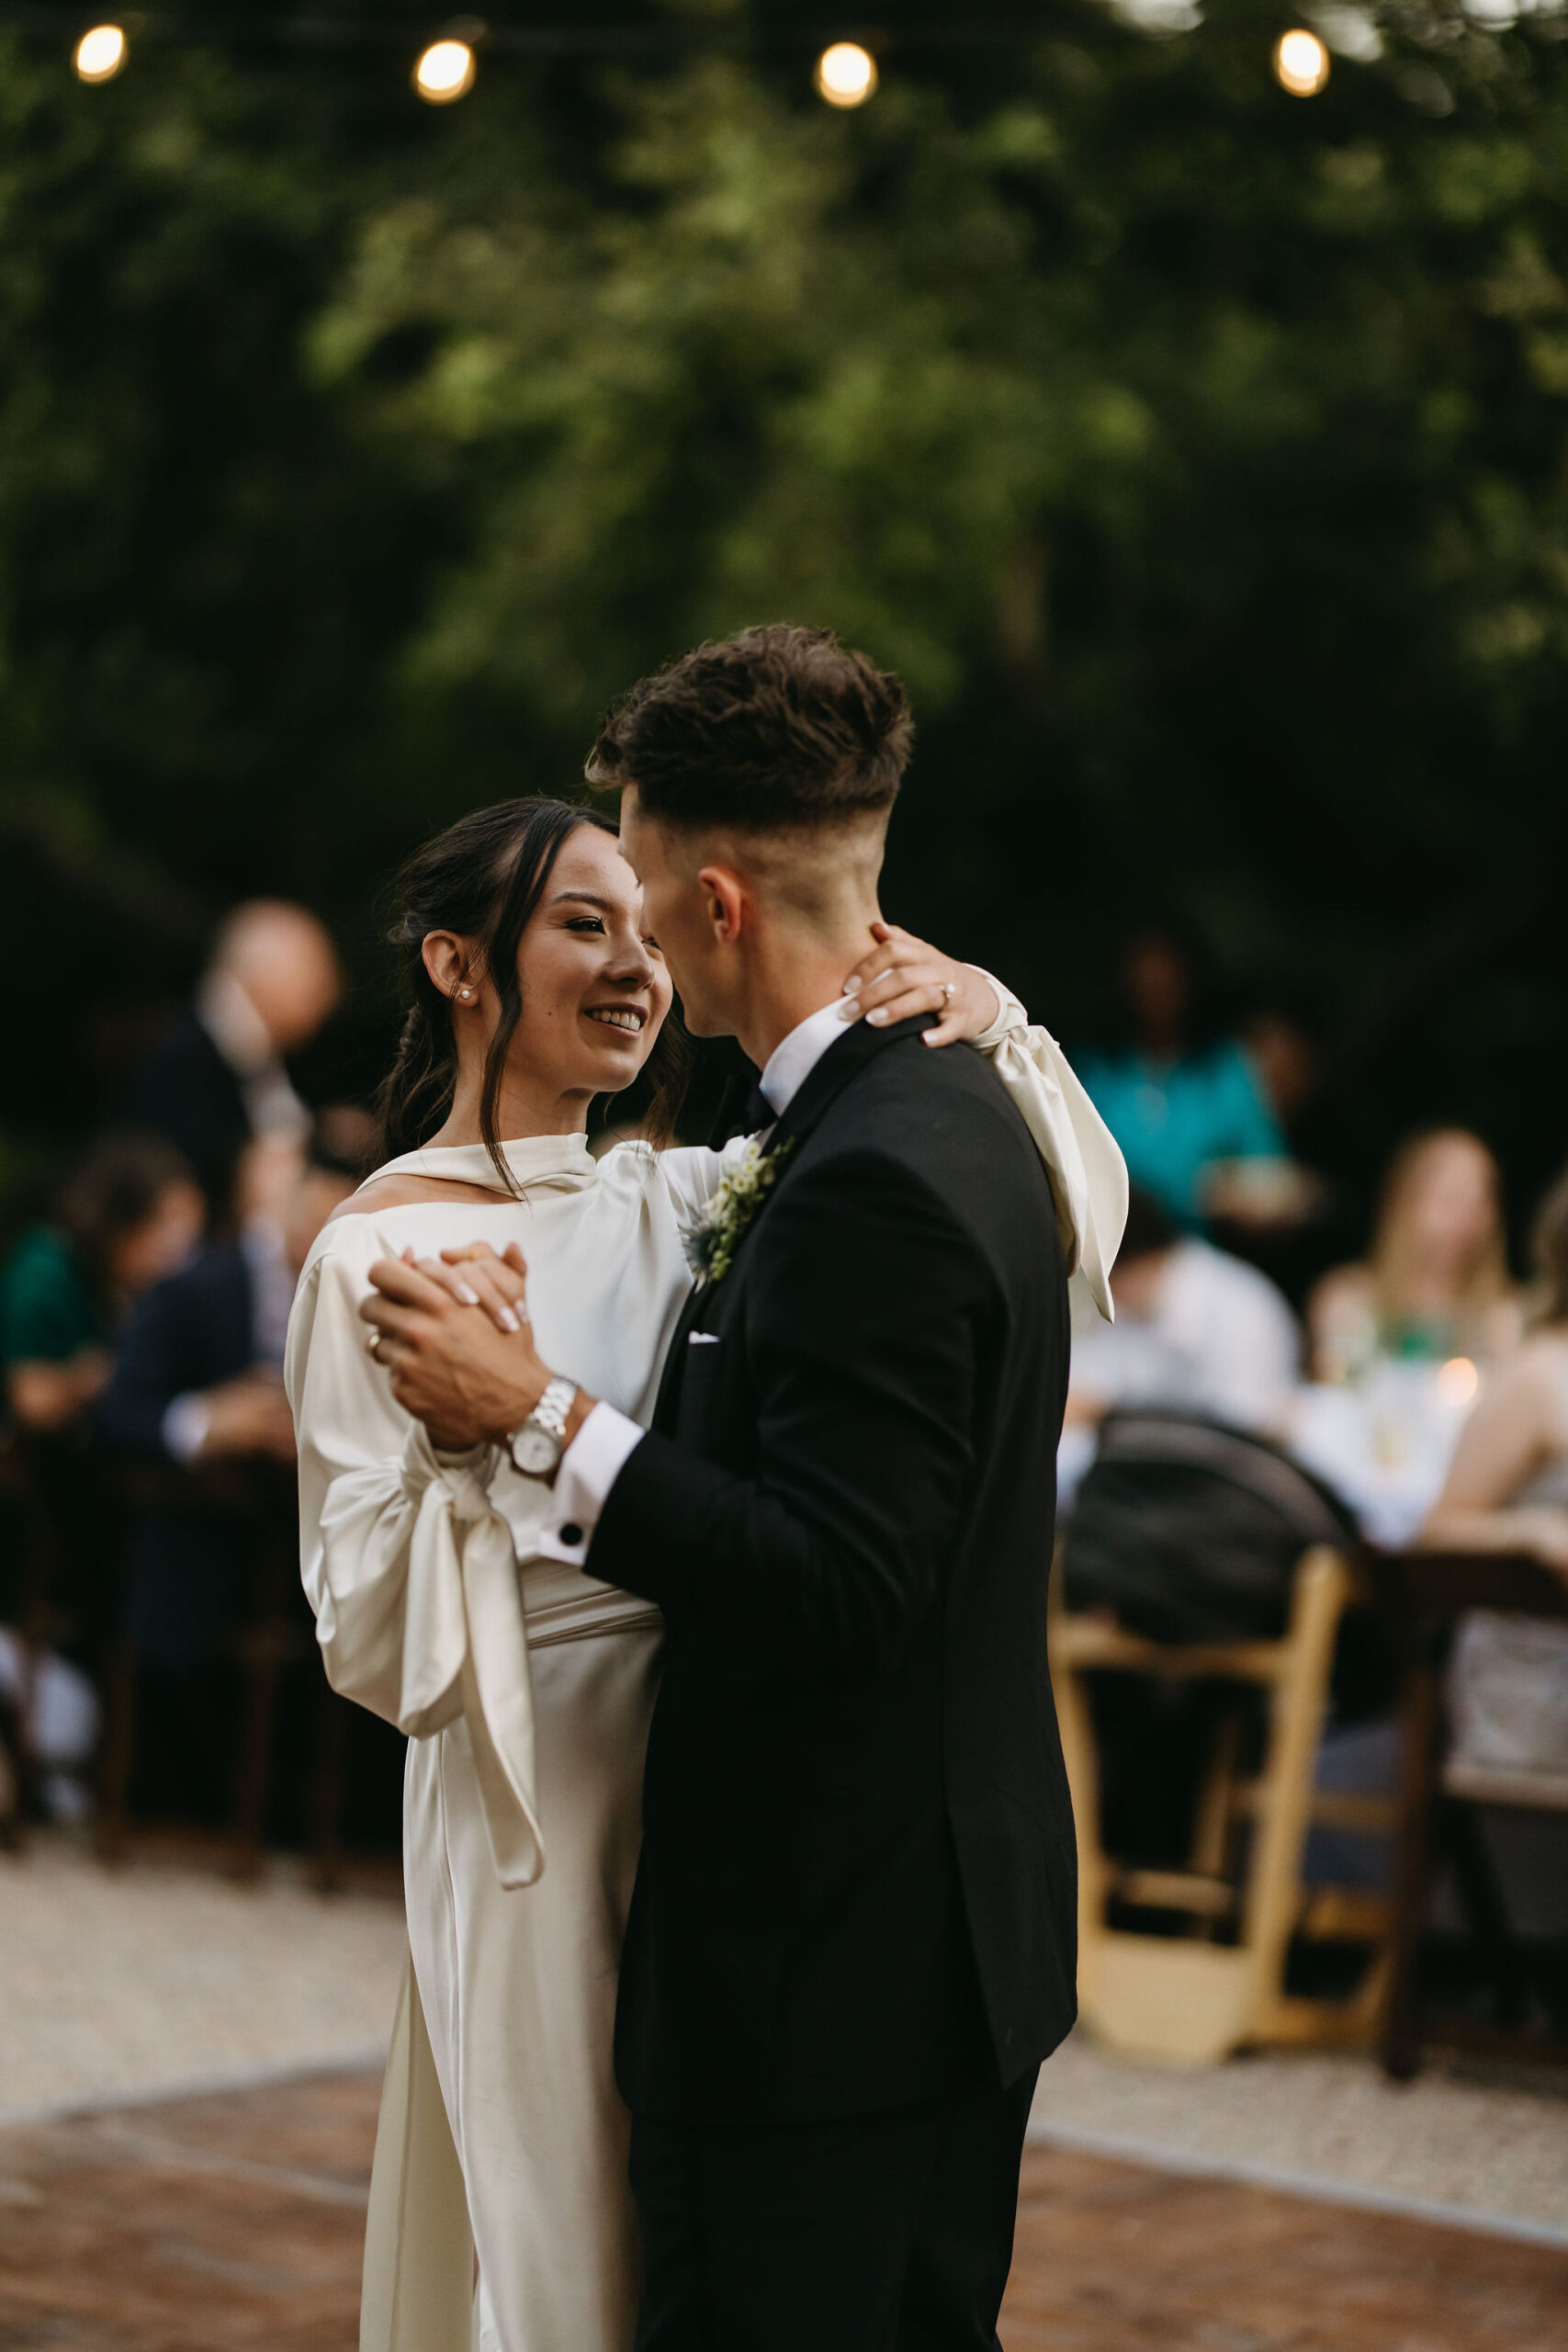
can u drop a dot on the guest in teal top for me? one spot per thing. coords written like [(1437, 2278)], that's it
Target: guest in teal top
[(130, 1214), (1175, 1106)]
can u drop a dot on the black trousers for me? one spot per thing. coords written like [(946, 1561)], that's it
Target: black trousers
[(886, 2232)]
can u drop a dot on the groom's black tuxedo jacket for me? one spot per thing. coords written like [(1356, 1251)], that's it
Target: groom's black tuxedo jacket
[(857, 1883)]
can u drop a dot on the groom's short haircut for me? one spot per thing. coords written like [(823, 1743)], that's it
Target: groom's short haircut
[(777, 728)]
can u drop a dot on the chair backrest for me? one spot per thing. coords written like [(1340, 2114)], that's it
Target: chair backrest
[(1190, 1531)]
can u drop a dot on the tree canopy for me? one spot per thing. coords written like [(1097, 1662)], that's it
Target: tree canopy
[(1195, 451)]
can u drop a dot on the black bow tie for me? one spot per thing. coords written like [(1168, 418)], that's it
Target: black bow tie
[(744, 1110)]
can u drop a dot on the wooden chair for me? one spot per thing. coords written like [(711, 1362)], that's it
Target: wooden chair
[(271, 1636), (1425, 1595), (1192, 1997)]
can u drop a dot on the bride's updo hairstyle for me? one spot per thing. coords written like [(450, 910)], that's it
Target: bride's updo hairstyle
[(483, 877)]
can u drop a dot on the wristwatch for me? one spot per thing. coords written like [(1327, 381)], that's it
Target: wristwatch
[(538, 1445)]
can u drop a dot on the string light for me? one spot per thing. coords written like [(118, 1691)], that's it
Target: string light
[(1301, 63), (846, 75), (99, 54), (445, 72)]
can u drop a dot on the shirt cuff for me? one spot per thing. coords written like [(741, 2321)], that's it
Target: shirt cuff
[(1010, 1014), (185, 1426), (589, 1468)]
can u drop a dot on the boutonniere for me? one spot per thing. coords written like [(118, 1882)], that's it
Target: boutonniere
[(712, 1242)]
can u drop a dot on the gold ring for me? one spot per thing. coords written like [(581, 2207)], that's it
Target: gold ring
[(373, 1347), (950, 989)]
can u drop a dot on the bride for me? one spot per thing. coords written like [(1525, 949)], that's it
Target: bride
[(526, 1686)]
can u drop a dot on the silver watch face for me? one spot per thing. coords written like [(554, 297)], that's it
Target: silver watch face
[(534, 1450)]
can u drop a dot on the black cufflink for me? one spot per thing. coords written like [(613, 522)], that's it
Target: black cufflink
[(572, 1532)]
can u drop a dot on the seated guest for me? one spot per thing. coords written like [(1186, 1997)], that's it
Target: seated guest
[(130, 1215), (1195, 1330), (218, 1079), (1508, 1491), (1507, 1485), (197, 1381), (1182, 1100), (1436, 1284)]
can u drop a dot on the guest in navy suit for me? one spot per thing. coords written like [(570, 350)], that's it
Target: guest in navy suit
[(197, 1384)]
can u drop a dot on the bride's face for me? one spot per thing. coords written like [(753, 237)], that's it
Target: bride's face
[(595, 991)]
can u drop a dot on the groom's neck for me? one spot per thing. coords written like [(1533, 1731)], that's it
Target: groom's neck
[(795, 974)]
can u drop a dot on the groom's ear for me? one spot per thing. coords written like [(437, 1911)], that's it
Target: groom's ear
[(727, 900)]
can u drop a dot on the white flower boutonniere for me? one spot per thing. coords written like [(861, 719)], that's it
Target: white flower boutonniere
[(711, 1243)]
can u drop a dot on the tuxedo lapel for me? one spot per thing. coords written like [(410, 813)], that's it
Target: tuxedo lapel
[(844, 1061), (669, 1396)]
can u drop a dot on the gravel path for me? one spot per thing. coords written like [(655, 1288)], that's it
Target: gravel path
[(1319, 2121), (145, 1982)]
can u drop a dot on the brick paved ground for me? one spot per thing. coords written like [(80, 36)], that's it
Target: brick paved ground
[(212, 2225)]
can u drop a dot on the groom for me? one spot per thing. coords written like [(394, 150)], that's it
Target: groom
[(852, 1940)]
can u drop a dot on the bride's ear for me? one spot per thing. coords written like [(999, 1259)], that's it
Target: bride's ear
[(453, 965)]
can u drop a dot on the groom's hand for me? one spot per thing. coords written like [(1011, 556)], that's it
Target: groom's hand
[(455, 1337), (903, 976)]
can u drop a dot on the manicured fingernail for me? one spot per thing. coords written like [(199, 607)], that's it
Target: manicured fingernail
[(469, 1297), (509, 1321), (879, 1016), (850, 1011), (851, 988)]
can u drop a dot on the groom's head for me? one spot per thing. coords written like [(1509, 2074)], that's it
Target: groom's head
[(757, 778)]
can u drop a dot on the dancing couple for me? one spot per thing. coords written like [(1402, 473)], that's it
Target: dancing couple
[(691, 1511)]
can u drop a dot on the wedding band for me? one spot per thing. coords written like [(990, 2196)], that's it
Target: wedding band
[(950, 989), (373, 1347)]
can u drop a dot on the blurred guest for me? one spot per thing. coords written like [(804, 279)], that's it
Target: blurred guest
[(218, 1079), (1195, 1330), (1436, 1286), (1181, 1100), (1508, 1491), (1507, 1485), (130, 1215), (197, 1385)]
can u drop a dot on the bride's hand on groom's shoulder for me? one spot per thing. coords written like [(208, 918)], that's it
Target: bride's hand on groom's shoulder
[(903, 976)]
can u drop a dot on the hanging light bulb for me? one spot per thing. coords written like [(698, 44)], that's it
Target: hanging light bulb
[(99, 54), (1301, 63), (445, 72), (846, 75)]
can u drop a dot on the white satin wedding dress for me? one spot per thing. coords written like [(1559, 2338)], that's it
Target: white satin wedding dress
[(525, 1688)]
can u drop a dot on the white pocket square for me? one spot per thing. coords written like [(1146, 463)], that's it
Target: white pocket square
[(702, 1339)]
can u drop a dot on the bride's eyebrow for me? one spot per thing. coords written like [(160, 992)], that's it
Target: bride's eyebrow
[(585, 898)]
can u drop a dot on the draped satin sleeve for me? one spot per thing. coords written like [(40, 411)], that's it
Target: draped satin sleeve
[(1082, 1158), (409, 1566)]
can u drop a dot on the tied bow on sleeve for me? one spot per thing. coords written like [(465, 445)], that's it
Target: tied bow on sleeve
[(451, 1641)]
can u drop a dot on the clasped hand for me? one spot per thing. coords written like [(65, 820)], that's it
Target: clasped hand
[(470, 1378)]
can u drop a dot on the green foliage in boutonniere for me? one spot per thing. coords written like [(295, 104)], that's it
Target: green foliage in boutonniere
[(711, 1243)]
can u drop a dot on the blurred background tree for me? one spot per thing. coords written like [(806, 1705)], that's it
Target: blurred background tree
[(1195, 451)]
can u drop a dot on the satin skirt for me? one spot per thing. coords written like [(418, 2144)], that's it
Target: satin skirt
[(502, 2132)]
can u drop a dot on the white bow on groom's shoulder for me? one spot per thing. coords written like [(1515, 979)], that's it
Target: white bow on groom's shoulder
[(1088, 1175)]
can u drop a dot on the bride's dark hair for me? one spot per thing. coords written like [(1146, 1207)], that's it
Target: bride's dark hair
[(483, 877)]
